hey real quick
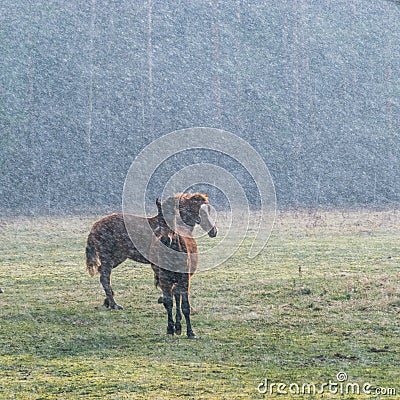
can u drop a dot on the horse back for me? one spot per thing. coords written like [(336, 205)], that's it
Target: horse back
[(113, 241)]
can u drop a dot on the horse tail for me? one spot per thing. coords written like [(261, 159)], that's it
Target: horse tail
[(92, 258)]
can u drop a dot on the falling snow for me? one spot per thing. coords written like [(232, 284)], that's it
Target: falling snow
[(313, 86)]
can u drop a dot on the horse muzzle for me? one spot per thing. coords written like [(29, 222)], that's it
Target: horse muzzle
[(213, 232)]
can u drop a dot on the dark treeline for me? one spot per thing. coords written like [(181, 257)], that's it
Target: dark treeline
[(314, 86)]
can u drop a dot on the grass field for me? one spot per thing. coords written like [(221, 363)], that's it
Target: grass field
[(322, 298)]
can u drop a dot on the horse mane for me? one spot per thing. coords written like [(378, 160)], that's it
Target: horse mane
[(192, 196), (171, 203)]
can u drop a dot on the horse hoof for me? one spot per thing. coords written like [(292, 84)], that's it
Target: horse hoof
[(178, 330), (117, 307), (191, 335)]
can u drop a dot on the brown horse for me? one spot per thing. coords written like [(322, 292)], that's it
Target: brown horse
[(175, 258), (109, 244)]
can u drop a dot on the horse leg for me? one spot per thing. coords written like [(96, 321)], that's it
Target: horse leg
[(168, 304), (178, 317), (105, 279), (186, 313), (166, 287), (156, 271)]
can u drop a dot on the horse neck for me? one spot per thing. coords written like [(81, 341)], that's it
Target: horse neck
[(184, 230)]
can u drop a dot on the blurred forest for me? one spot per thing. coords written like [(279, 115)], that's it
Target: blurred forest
[(313, 85)]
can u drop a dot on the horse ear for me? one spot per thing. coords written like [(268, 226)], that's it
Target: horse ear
[(206, 195), (158, 202)]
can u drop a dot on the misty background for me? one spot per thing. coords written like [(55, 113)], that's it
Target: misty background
[(313, 85)]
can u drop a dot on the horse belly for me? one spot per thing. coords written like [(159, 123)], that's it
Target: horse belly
[(136, 256)]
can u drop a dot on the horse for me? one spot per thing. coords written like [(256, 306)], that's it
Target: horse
[(173, 269), (109, 244)]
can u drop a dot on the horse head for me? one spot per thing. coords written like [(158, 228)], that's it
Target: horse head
[(190, 209), (195, 209)]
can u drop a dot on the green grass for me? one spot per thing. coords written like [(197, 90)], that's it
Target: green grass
[(323, 297)]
